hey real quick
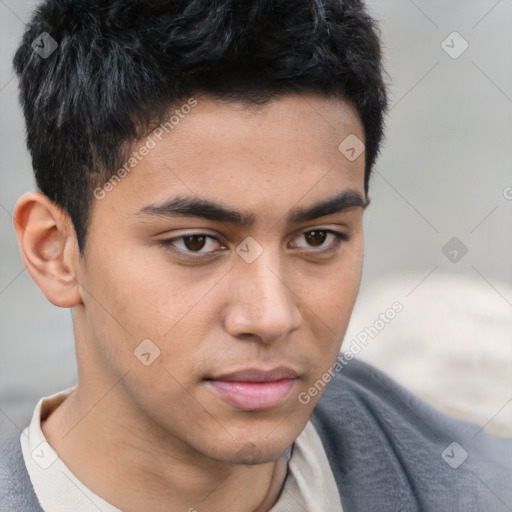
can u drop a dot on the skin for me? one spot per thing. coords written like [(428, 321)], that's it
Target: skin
[(157, 437)]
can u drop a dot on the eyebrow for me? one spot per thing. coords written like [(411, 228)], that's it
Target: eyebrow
[(184, 206)]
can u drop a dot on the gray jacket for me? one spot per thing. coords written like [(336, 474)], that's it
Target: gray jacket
[(388, 450)]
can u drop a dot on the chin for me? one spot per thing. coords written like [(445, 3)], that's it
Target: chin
[(256, 451), (261, 442)]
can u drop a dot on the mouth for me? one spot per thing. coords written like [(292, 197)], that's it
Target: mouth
[(254, 389)]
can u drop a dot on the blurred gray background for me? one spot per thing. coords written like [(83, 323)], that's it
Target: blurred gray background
[(443, 172)]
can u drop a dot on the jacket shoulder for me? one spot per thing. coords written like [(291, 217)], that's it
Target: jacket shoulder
[(388, 448), (16, 491)]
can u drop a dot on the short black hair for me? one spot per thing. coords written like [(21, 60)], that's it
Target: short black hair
[(121, 65)]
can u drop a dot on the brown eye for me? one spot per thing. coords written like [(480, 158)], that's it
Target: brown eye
[(192, 245), (194, 242), (316, 238), (321, 240)]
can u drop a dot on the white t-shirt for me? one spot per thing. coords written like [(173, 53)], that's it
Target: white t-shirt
[(309, 485)]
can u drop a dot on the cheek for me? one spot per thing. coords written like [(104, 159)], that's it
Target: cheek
[(139, 293), (144, 299), (328, 306), (331, 291)]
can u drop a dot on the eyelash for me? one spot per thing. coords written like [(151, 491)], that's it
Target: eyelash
[(168, 243)]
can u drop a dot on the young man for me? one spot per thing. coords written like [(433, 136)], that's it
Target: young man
[(203, 168)]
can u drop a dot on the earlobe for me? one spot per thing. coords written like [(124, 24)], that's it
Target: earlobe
[(48, 247)]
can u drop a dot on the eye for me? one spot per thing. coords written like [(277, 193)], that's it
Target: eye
[(190, 244), (317, 238)]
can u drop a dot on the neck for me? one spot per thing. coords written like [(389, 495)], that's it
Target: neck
[(137, 467)]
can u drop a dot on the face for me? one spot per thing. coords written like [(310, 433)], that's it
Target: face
[(243, 305)]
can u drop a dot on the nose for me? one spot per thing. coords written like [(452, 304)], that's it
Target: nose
[(262, 303)]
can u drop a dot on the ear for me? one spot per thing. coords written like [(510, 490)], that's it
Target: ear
[(48, 247)]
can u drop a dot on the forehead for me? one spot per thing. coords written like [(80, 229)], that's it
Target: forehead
[(265, 159), (283, 130)]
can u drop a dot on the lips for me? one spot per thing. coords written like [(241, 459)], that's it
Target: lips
[(258, 375), (254, 389)]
